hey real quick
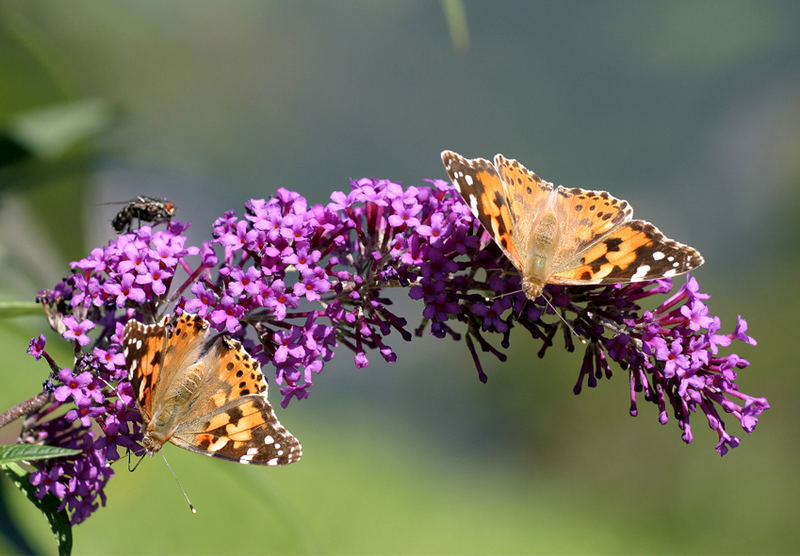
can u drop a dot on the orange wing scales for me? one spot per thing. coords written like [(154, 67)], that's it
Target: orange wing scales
[(480, 186), (143, 357)]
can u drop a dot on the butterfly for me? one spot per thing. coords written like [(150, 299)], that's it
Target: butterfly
[(143, 209), (555, 235), (207, 395)]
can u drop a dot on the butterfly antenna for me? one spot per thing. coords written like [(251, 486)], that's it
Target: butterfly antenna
[(487, 299), (568, 325), (114, 388), (177, 480)]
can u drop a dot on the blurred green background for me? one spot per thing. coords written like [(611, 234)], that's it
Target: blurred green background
[(689, 110)]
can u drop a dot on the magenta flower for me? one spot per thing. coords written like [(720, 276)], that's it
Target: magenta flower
[(125, 290), (227, 314), (672, 355), (492, 314), (740, 332), (36, 346), (73, 386), (697, 315), (49, 482), (76, 331), (154, 277)]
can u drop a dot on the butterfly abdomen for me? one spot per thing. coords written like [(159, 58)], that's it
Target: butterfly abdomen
[(540, 253)]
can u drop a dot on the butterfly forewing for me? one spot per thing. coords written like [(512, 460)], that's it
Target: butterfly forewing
[(143, 347), (480, 186)]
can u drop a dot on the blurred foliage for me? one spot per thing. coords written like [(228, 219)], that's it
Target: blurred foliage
[(456, 16), (19, 308), (49, 133), (48, 505), (690, 110), (43, 154)]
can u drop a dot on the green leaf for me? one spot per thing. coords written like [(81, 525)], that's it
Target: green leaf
[(19, 308), (59, 521), (26, 452), (50, 131)]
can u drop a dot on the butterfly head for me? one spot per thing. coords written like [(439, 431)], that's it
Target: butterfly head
[(532, 287), (152, 443)]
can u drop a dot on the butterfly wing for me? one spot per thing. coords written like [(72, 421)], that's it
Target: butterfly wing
[(156, 353), (529, 198), (587, 217), (598, 243), (143, 346), (526, 193), (246, 431), (632, 252), (482, 189), (231, 417)]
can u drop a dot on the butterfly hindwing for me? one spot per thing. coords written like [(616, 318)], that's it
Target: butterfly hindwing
[(245, 430), (633, 252), (587, 217), (234, 419)]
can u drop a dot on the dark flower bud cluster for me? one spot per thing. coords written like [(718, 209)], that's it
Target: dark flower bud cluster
[(296, 282)]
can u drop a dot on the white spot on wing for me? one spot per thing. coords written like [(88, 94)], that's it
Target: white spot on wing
[(248, 457), (273, 461), (468, 179), (658, 255), (670, 273), (640, 273), (269, 439), (473, 204)]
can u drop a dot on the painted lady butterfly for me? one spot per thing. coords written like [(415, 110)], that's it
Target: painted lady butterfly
[(555, 235), (205, 395)]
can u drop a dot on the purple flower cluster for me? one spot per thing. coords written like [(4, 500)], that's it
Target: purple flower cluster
[(671, 354), (135, 271), (85, 392), (295, 282)]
